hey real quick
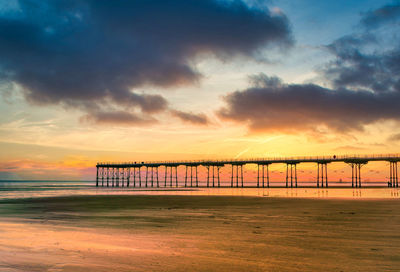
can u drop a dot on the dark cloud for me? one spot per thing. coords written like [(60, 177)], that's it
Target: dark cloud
[(78, 52), (272, 105), (394, 137), (380, 16), (147, 103), (365, 87), (120, 118), (353, 68), (368, 59), (197, 119)]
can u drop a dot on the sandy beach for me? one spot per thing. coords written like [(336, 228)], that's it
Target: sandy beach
[(198, 233)]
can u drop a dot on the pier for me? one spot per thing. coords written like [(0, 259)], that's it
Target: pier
[(130, 174)]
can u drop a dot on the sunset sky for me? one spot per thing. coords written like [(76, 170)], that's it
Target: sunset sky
[(88, 81)]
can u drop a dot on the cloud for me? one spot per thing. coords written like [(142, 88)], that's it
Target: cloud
[(353, 68), (147, 103), (197, 119), (364, 80), (116, 118), (370, 58), (380, 16), (272, 105), (94, 53), (394, 137)]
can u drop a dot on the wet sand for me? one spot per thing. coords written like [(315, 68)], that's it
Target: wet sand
[(199, 233)]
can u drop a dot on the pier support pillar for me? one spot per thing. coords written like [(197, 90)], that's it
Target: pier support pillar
[(165, 175), (322, 174), (393, 179), (113, 177), (186, 175), (117, 178), (122, 176), (108, 176), (128, 176), (192, 177), (208, 175), (147, 170), (134, 176), (291, 174), (176, 176), (213, 176), (158, 184), (235, 175), (152, 176), (215, 169), (262, 168), (356, 172), (171, 176), (218, 167), (140, 176), (197, 178), (232, 177), (97, 176), (102, 176), (241, 174)]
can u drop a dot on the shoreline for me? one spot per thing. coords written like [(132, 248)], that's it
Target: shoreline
[(311, 193)]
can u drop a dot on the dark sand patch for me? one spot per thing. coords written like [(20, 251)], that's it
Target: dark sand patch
[(201, 233)]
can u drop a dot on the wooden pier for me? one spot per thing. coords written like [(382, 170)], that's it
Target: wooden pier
[(130, 174)]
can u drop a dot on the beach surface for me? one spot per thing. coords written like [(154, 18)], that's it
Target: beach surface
[(198, 233)]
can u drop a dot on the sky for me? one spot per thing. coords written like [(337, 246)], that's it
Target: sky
[(85, 81)]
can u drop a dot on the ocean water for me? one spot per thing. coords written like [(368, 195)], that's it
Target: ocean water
[(35, 189)]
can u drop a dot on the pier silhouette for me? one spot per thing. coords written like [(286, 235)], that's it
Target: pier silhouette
[(129, 174)]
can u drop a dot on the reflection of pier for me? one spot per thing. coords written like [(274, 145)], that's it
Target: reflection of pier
[(130, 173)]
